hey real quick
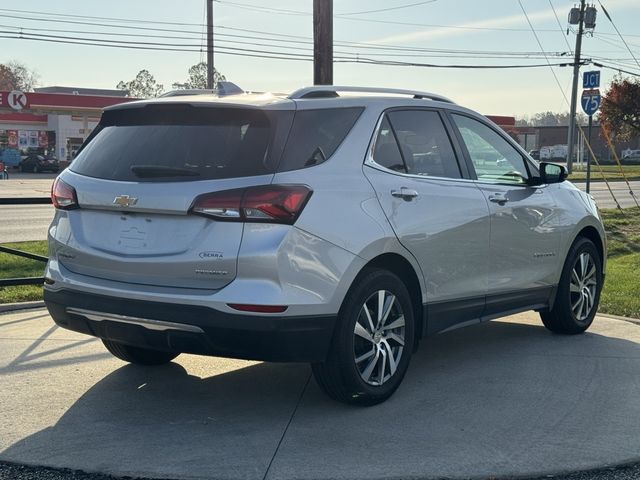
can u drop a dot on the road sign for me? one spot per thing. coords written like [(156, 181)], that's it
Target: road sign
[(591, 101), (591, 79), (17, 100)]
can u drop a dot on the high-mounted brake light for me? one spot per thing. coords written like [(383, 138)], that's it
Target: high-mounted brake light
[(63, 195), (265, 203)]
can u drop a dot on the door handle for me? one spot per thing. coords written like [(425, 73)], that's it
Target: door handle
[(498, 198), (405, 193)]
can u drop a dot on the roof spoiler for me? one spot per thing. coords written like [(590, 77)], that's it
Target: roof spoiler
[(223, 89)]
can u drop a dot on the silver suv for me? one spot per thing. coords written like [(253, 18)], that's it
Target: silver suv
[(335, 225)]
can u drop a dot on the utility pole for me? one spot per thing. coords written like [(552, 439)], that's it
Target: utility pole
[(209, 44), (322, 42), (574, 89)]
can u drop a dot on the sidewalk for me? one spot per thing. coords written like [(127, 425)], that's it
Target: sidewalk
[(505, 398)]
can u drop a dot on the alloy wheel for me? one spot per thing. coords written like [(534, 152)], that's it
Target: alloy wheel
[(379, 334), (583, 286)]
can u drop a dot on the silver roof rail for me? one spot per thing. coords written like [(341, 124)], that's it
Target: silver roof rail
[(329, 91), (223, 88)]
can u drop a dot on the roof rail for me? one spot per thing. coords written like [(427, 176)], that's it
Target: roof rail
[(330, 91), (223, 88)]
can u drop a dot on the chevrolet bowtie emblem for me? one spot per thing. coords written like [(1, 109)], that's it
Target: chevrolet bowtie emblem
[(125, 201)]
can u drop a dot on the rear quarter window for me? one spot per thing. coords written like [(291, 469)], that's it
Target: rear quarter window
[(315, 135)]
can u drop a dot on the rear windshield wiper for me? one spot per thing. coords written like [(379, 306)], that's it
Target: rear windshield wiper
[(150, 171)]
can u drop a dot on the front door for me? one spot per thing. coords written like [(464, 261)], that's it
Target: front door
[(524, 234)]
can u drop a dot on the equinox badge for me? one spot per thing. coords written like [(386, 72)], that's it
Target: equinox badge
[(125, 200)]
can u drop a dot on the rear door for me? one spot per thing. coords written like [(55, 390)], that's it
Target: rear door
[(137, 179), (524, 226), (439, 216)]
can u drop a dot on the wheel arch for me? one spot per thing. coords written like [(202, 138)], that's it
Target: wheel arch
[(591, 233), (400, 266)]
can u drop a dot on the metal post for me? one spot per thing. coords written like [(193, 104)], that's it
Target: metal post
[(209, 44), (322, 42), (589, 156), (574, 90)]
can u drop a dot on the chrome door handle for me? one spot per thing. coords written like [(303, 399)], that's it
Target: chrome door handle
[(404, 193), (498, 198)]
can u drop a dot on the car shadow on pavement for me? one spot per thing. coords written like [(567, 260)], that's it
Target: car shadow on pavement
[(497, 398)]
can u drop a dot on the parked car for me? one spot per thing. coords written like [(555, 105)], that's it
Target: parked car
[(535, 154), (36, 163), (316, 227), (630, 154)]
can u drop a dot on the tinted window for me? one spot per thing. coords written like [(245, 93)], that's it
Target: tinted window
[(315, 135), (494, 159), (424, 143), (180, 143), (386, 151)]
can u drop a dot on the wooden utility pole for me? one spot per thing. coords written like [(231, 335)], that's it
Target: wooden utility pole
[(209, 44), (322, 42)]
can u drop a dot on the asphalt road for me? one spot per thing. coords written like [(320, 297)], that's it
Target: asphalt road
[(502, 399), (19, 223)]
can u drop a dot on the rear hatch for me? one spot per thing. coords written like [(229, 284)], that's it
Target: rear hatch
[(136, 181)]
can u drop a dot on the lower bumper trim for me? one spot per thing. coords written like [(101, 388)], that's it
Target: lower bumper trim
[(143, 322)]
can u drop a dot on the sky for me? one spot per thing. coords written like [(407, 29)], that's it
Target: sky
[(469, 25)]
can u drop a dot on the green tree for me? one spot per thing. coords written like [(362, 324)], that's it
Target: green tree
[(198, 77), (620, 108), (17, 76), (143, 86)]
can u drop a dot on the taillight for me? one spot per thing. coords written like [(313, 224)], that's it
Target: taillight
[(266, 203), (63, 195)]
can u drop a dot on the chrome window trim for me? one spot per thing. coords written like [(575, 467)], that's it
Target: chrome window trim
[(369, 161)]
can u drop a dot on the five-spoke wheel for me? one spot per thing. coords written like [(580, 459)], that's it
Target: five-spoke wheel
[(372, 341), (578, 291)]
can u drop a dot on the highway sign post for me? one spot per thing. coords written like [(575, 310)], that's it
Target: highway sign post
[(590, 101)]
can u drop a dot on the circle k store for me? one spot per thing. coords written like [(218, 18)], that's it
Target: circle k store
[(51, 121)]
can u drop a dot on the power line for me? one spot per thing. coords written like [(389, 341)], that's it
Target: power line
[(533, 30), (390, 8), (560, 26), (266, 41), (618, 31)]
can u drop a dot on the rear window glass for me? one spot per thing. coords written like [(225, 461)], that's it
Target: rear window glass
[(182, 143), (315, 136)]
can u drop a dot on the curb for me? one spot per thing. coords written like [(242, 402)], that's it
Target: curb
[(10, 307), (618, 317)]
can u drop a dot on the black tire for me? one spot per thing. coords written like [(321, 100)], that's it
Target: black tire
[(339, 376), (36, 169), (137, 355), (563, 318)]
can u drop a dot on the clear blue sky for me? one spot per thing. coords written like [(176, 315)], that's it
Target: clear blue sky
[(507, 92)]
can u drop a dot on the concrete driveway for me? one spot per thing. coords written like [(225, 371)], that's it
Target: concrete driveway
[(498, 399)]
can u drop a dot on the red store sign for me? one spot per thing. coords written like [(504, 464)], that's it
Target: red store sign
[(16, 100)]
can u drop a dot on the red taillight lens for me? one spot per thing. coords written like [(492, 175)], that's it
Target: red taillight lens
[(268, 203), (63, 195), (258, 308)]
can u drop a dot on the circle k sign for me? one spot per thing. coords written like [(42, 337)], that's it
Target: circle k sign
[(17, 100)]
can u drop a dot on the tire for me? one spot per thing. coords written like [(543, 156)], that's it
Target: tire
[(36, 169), (349, 373), (578, 292), (137, 355)]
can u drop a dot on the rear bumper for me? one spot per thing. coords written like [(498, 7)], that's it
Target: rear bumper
[(192, 329)]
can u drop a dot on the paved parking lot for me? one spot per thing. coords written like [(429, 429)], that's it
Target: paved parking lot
[(503, 398)]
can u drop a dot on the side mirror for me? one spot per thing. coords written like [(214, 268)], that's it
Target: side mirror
[(552, 173)]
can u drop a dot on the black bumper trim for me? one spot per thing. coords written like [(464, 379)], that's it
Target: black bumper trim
[(252, 337)]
